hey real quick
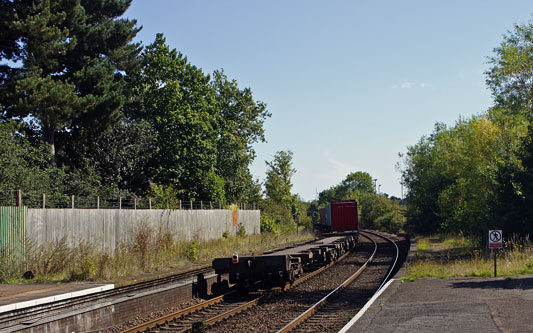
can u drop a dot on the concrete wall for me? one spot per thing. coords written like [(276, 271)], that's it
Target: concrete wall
[(111, 227)]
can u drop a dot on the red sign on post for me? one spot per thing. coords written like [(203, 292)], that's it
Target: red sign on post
[(495, 239)]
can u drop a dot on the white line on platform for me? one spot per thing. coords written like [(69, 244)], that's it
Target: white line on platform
[(50, 299), (365, 308)]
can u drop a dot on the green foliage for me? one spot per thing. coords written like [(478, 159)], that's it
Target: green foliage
[(278, 183), (276, 218), (73, 54), (241, 230), (451, 175), (240, 124), (375, 211), (192, 251), (22, 165), (71, 72), (269, 224), (392, 221), (164, 196), (355, 185), (477, 174), (119, 156), (509, 78)]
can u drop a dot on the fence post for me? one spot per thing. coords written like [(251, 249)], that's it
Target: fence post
[(191, 204), (244, 205), (210, 205), (135, 202), (119, 202), (180, 204), (98, 202), (72, 201), (201, 204), (219, 205), (44, 201), (149, 203), (19, 198)]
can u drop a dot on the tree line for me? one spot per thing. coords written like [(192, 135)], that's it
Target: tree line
[(477, 173), (376, 210), (86, 110)]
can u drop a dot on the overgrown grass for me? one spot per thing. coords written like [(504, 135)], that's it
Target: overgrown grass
[(444, 256), (151, 250)]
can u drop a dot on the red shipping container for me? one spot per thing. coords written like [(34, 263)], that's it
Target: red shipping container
[(344, 215)]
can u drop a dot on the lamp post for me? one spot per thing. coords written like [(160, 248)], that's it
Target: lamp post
[(379, 188)]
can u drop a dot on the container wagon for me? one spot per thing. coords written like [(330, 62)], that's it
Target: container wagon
[(277, 268)]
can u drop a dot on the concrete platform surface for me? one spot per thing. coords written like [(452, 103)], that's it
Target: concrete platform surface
[(19, 296), (452, 305)]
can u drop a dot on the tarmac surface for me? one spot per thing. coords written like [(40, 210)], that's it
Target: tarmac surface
[(452, 305)]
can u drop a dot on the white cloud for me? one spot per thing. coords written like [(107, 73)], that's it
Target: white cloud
[(409, 85), (336, 170)]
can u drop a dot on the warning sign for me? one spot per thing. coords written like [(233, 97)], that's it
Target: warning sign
[(495, 239)]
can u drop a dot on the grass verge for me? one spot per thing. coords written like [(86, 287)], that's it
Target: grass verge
[(442, 256), (149, 251)]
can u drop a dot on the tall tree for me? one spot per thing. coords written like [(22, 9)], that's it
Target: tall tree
[(510, 77), (68, 72), (511, 80), (179, 102), (278, 184), (240, 125)]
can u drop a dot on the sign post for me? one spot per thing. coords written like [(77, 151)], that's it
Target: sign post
[(495, 242)]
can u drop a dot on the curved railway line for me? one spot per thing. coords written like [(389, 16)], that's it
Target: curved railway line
[(333, 311), (296, 306)]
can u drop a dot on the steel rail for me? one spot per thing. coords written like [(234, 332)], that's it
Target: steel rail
[(309, 312), (220, 317), (175, 315), (393, 265)]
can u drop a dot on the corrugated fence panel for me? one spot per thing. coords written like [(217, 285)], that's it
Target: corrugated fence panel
[(109, 228), (13, 232)]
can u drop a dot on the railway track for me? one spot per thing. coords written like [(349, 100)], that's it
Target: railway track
[(214, 316), (12, 319), (217, 309), (333, 311)]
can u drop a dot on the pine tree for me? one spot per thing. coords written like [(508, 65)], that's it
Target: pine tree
[(68, 70)]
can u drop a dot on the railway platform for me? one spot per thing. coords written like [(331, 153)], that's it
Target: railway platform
[(20, 296), (452, 305), (501, 304)]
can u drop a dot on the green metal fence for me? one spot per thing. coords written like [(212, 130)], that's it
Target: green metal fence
[(12, 232)]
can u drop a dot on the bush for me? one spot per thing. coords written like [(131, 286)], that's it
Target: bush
[(390, 222), (192, 251), (268, 224), (241, 230)]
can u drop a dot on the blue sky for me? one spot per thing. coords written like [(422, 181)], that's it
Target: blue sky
[(350, 84)]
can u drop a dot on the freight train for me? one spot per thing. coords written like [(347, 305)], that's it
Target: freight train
[(279, 267), (338, 216)]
